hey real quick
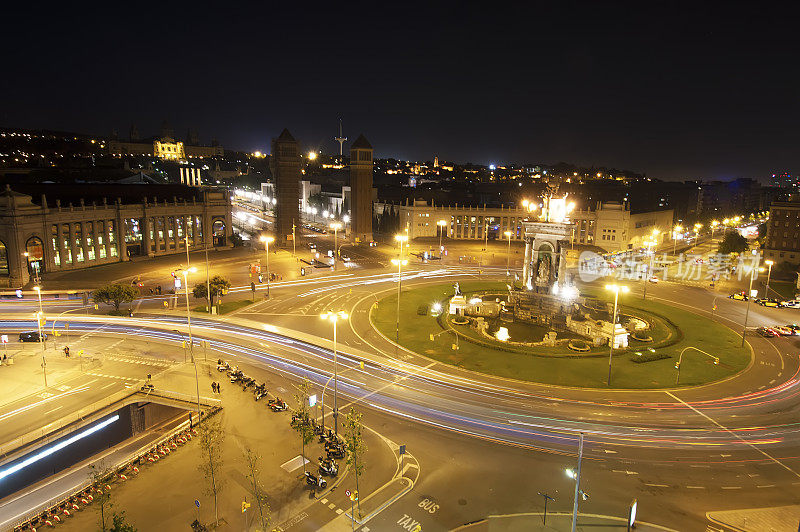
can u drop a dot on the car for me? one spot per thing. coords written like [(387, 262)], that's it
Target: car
[(766, 332), (795, 327), (32, 336), (739, 296), (783, 331), (345, 258), (765, 302), (653, 279), (791, 303), (312, 245)]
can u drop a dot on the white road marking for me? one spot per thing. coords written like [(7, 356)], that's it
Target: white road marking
[(734, 434)]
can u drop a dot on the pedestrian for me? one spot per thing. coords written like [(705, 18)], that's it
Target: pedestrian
[(66, 351), (213, 387), (5, 360)]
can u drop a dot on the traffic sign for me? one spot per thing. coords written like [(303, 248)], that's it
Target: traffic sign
[(347, 493), (4, 338), (197, 503), (403, 449), (312, 400)]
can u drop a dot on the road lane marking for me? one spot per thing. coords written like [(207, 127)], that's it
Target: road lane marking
[(731, 487), (54, 409), (734, 434), (656, 485), (696, 487)]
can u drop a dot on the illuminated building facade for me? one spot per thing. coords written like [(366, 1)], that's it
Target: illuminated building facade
[(63, 229)]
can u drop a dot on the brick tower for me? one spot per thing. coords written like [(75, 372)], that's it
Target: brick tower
[(285, 166), (361, 189)]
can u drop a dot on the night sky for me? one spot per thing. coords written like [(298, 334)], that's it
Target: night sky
[(675, 92)]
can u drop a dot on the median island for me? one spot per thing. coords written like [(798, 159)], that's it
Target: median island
[(486, 327)]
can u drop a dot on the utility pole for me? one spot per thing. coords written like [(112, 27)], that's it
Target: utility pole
[(577, 485)]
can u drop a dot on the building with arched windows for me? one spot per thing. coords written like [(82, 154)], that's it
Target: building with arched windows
[(60, 227)]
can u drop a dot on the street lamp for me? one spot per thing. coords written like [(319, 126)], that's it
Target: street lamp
[(697, 227), (333, 317), (266, 240), (675, 232), (714, 225), (186, 273), (399, 263), (508, 255), (769, 272), (753, 271), (335, 226), (616, 289), (39, 318), (442, 224), (401, 239), (680, 359)]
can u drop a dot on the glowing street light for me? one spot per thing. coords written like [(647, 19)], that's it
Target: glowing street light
[(769, 273), (697, 228), (334, 317), (401, 239), (399, 263), (267, 240), (753, 271), (186, 273), (508, 254), (442, 224), (616, 289), (675, 232), (312, 156), (335, 226), (39, 319)]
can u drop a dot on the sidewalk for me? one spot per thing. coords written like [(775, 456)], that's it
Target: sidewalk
[(778, 519), (556, 522)]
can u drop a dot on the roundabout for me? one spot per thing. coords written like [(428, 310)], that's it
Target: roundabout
[(520, 350)]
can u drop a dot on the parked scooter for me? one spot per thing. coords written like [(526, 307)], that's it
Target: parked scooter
[(328, 467), (314, 481)]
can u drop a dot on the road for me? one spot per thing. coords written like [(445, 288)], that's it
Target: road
[(681, 452)]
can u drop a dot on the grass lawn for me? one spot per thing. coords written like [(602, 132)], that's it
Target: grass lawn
[(578, 369), (226, 306)]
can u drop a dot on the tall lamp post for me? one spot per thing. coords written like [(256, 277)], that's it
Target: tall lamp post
[(508, 254), (753, 271), (186, 273), (442, 224), (714, 225), (399, 263), (39, 318), (266, 240), (335, 226), (675, 232), (333, 317), (616, 289), (401, 239), (769, 263), (697, 228)]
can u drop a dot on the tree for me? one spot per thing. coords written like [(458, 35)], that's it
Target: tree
[(301, 422), (356, 447), (120, 523), (253, 462), (115, 294), (99, 475), (211, 437), (219, 287), (733, 242)]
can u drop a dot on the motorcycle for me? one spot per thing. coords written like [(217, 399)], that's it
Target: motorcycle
[(325, 436), (223, 366), (236, 376), (277, 405), (314, 481), (247, 382), (260, 391), (335, 452), (328, 467)]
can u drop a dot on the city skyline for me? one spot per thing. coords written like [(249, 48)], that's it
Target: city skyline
[(675, 95)]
